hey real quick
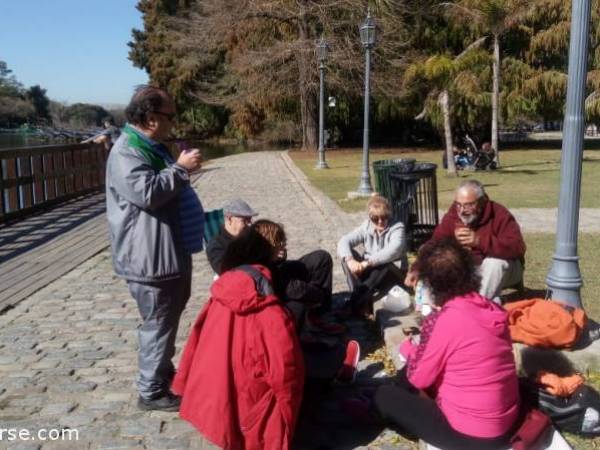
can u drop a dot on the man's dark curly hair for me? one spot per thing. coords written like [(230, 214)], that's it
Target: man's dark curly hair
[(447, 268), (146, 99)]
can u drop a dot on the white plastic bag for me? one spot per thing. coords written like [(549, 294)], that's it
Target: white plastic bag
[(397, 300)]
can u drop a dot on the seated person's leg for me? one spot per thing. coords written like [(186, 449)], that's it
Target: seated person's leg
[(413, 414), (295, 283), (384, 277), (298, 310), (514, 273), (319, 267), (292, 283), (351, 279), (362, 286), (374, 277), (420, 416), (493, 273)]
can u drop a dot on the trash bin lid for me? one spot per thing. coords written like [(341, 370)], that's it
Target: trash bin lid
[(424, 166)]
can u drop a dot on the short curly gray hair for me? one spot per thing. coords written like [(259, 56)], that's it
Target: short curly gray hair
[(474, 186)]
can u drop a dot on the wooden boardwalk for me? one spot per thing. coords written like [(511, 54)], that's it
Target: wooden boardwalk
[(40, 249)]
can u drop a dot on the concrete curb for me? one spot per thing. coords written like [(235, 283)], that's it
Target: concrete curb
[(529, 360), (328, 207)]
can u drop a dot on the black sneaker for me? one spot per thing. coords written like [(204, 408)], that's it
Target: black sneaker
[(167, 402)]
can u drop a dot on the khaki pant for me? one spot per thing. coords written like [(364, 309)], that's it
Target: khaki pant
[(497, 274)]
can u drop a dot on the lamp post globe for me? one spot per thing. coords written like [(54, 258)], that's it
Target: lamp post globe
[(367, 31), (367, 38), (321, 50)]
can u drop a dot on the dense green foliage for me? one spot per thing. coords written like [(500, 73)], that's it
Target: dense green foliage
[(16, 106), (20, 106), (248, 69), (83, 115)]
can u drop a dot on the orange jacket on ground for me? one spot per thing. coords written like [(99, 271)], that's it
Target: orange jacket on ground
[(242, 371), (544, 323), (559, 386)]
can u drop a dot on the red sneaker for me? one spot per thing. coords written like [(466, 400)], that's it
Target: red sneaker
[(326, 327), (347, 373)]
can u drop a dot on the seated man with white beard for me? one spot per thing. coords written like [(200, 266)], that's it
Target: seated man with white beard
[(490, 232)]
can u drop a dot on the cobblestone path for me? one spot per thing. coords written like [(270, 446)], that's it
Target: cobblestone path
[(68, 352)]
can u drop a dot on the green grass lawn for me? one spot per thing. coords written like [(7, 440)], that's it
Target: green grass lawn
[(527, 178), (540, 247)]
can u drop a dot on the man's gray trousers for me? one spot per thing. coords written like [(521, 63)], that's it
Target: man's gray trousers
[(497, 274), (161, 305)]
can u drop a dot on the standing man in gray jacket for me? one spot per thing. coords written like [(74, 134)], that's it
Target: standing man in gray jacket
[(383, 243), (156, 222)]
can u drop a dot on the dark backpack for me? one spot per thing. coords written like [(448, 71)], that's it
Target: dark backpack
[(577, 414)]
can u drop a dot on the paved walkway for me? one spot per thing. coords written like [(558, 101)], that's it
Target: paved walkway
[(68, 352), (543, 220)]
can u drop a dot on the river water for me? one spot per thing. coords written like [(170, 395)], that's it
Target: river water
[(209, 150), (13, 140)]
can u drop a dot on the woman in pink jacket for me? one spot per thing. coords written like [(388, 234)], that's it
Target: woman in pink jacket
[(462, 367)]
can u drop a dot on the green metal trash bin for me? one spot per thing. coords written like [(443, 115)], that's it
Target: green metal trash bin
[(384, 168), (415, 202)]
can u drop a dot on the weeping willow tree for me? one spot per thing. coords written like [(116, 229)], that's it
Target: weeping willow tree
[(453, 84)]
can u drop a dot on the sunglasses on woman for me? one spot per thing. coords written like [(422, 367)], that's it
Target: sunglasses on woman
[(377, 219)]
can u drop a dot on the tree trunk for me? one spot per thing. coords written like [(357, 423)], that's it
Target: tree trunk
[(496, 99), (310, 127), (444, 103), (308, 98)]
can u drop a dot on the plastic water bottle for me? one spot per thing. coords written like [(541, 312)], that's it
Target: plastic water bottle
[(419, 294), (422, 299)]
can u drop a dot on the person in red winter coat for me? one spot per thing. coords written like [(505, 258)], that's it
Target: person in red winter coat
[(490, 232), (241, 374)]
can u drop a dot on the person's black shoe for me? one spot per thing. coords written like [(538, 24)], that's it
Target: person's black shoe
[(167, 402)]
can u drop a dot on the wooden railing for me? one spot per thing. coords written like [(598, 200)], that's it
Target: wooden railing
[(34, 178)]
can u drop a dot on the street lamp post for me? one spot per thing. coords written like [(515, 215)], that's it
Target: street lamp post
[(322, 48), (564, 278), (367, 38)]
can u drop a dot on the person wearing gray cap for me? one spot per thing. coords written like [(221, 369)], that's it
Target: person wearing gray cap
[(238, 215)]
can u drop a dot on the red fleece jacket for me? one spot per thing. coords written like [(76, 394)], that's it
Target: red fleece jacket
[(498, 232), (242, 371)]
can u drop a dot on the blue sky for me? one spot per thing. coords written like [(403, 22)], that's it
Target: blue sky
[(76, 49)]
